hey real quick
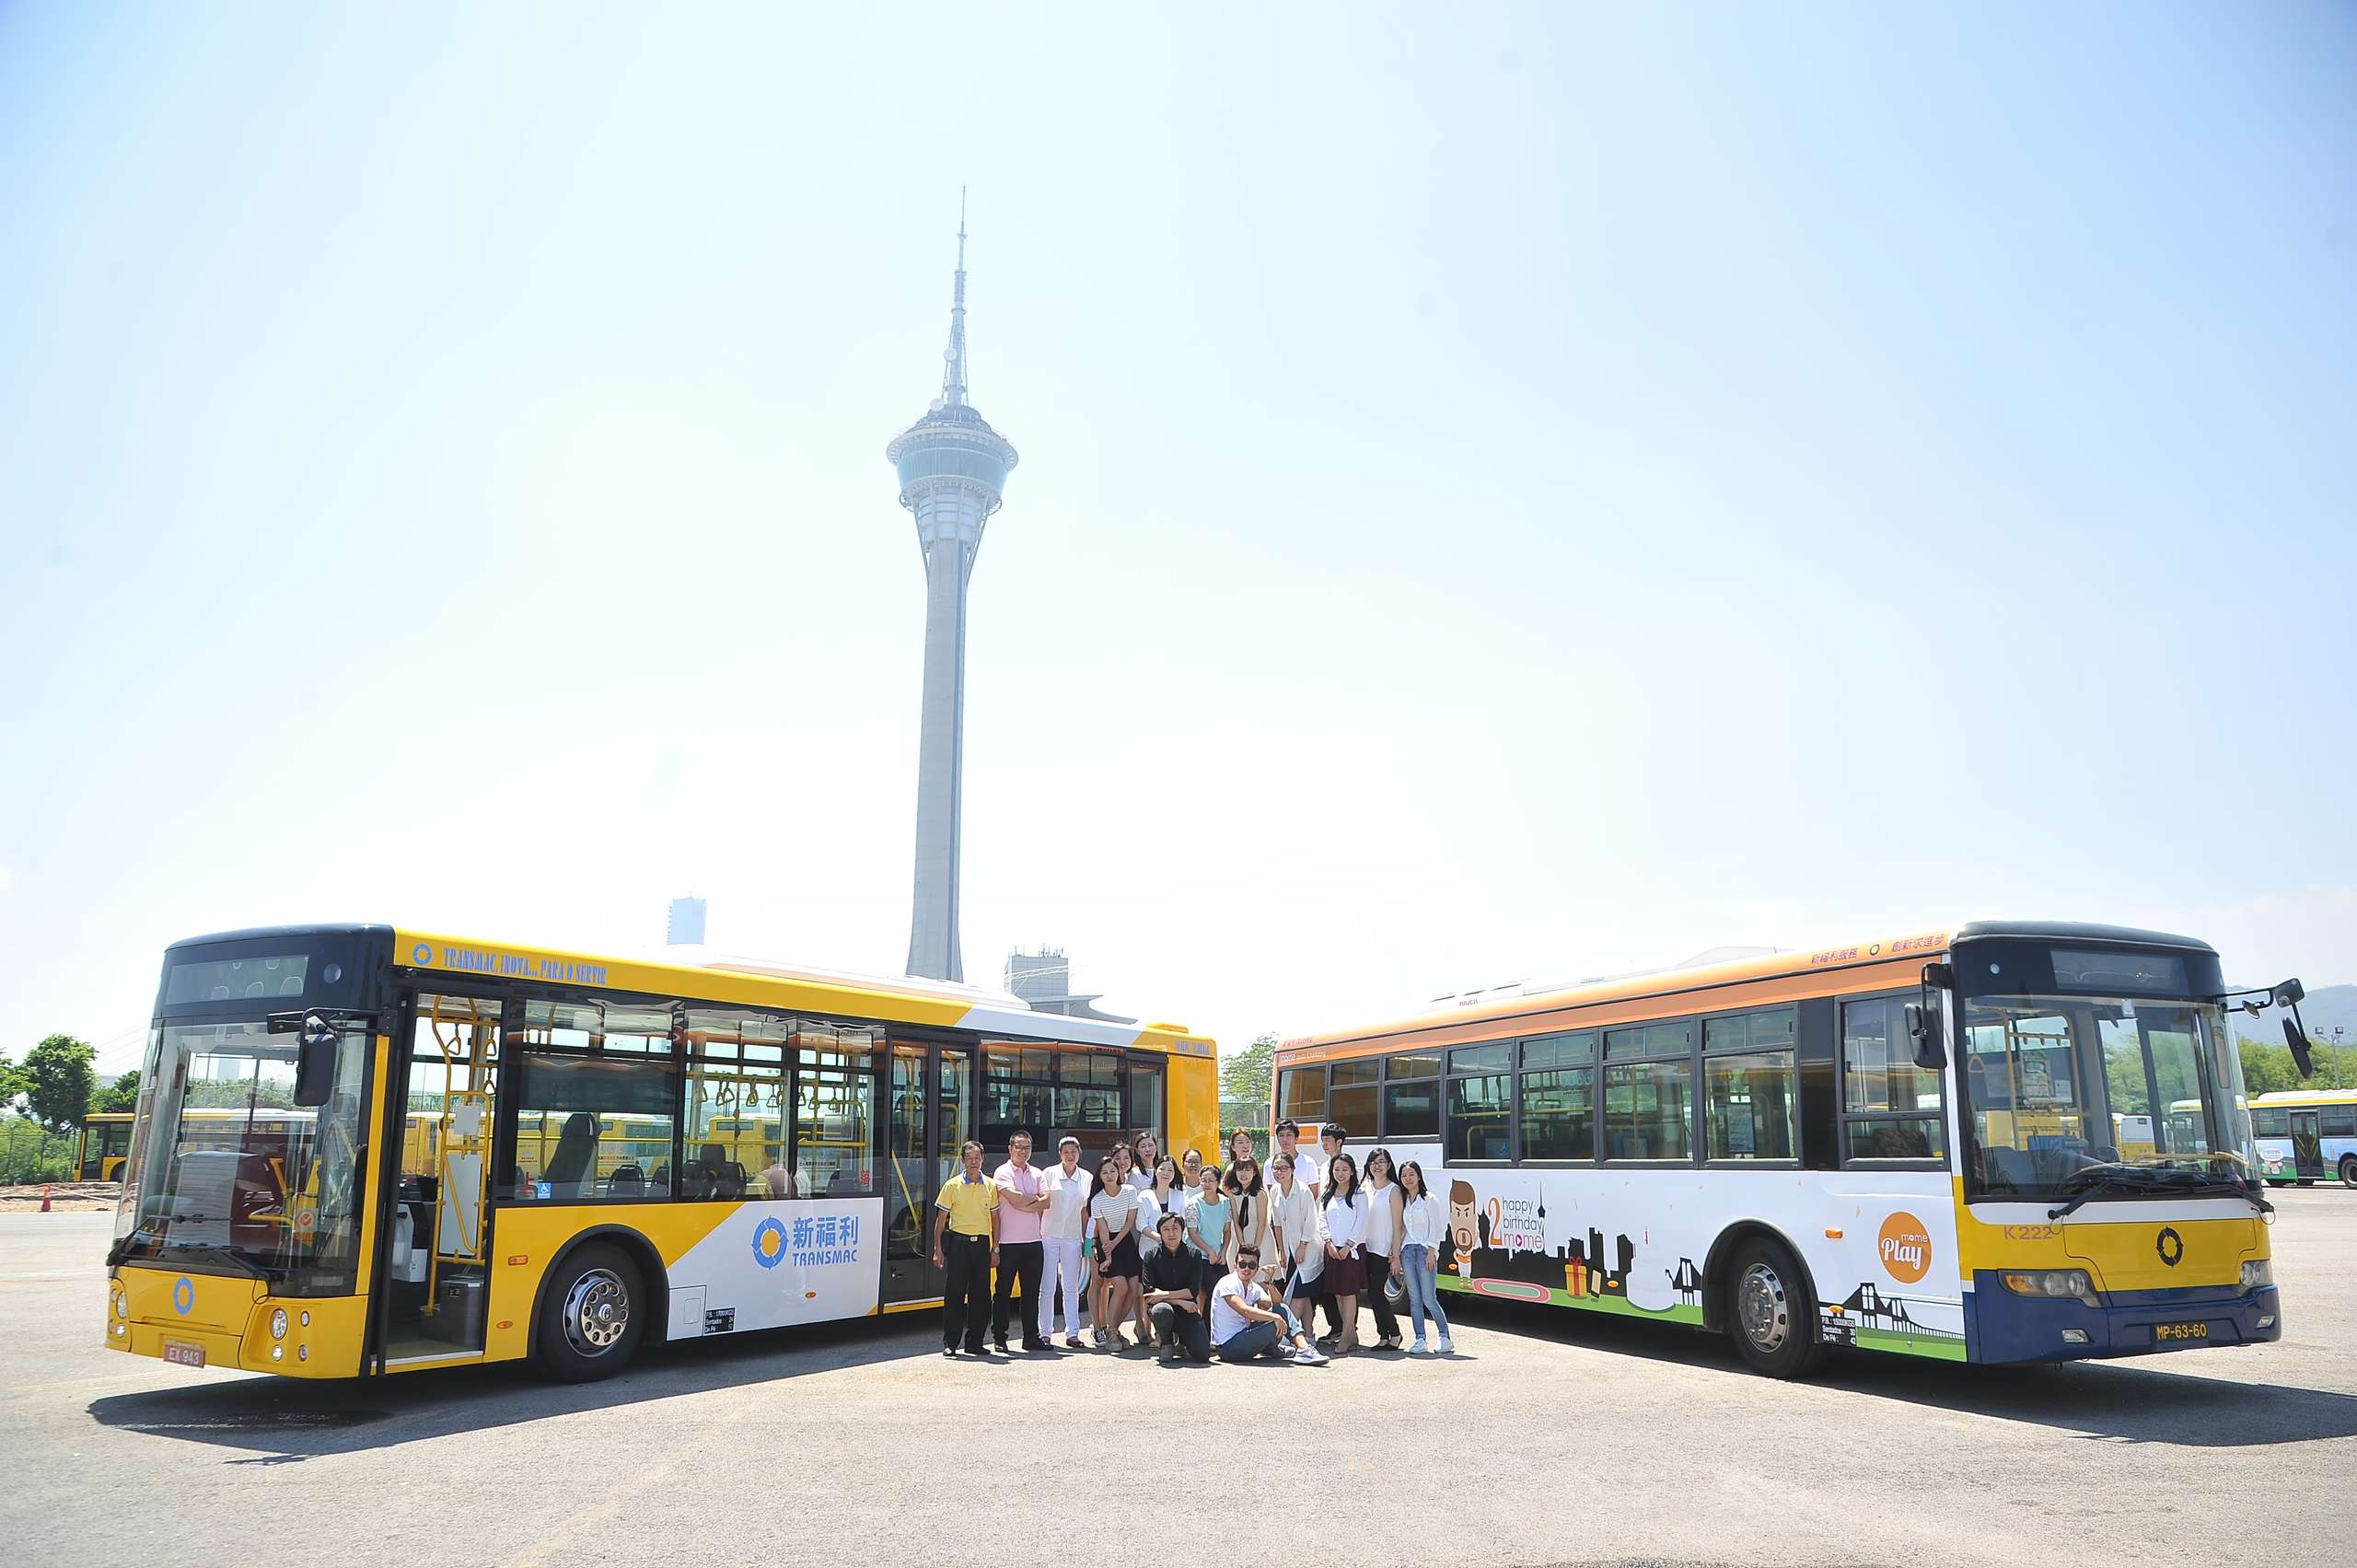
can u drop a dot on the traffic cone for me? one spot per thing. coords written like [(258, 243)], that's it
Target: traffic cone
[(44, 1197)]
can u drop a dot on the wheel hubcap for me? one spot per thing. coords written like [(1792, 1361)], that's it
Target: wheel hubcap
[(596, 1311), (1762, 1308)]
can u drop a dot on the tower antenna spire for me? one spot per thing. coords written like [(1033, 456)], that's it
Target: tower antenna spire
[(953, 375)]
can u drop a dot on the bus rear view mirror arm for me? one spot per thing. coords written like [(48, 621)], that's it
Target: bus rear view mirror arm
[(2288, 996)]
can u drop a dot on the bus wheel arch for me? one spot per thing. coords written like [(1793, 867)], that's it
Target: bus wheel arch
[(1753, 1261), (649, 1306), (1722, 1254)]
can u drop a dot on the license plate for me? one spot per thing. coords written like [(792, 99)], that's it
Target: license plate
[(186, 1354), (2180, 1331)]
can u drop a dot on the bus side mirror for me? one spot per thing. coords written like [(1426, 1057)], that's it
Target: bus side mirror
[(1923, 1028), (2288, 996), (2302, 1058), (314, 1061)]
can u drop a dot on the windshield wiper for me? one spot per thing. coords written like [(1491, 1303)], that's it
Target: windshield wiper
[(2098, 1180), (211, 1250), (221, 1254), (2117, 1176)]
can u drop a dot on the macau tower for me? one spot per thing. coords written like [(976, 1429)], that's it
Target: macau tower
[(953, 467)]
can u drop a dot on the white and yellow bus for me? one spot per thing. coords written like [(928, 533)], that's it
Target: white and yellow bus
[(1914, 1144), (2307, 1134), (360, 1151)]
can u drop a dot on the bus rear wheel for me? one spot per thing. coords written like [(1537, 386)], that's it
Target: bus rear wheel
[(2348, 1170), (592, 1314), (1772, 1312)]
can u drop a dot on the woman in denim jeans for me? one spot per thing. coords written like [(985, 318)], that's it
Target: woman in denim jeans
[(1424, 1219)]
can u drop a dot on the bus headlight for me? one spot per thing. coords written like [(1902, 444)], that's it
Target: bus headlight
[(122, 1302), (2067, 1284), (278, 1324), (2257, 1274)]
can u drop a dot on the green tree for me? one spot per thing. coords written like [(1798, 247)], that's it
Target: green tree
[(121, 1095), (58, 1078), (2267, 1069), (1245, 1074), (12, 1082)]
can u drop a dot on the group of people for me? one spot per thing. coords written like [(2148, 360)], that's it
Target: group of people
[(1198, 1261)]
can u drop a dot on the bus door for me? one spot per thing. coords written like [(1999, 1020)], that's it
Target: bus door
[(2307, 1149), (927, 1114), (437, 1281)]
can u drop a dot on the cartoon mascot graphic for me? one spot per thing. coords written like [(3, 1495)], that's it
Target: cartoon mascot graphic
[(1464, 1225)]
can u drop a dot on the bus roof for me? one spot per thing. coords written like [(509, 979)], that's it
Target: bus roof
[(697, 975), (1912, 946), (2306, 1096)]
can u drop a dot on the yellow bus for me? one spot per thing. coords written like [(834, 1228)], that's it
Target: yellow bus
[(106, 1138), (360, 1150), (106, 1135), (2002, 1142)]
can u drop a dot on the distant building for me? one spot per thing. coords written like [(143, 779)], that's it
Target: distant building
[(685, 927), (1044, 980)]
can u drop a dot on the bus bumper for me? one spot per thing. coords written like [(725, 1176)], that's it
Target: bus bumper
[(2002, 1326), (210, 1320)]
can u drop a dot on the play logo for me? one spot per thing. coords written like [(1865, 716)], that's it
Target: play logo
[(1906, 1248)]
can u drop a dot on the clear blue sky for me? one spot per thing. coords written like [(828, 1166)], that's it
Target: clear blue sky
[(1513, 496)]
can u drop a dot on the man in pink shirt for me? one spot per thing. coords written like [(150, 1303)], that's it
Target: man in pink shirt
[(1020, 1204)]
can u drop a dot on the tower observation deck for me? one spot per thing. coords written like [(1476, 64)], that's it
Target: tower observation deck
[(953, 467)]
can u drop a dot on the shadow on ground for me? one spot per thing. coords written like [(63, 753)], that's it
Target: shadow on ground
[(275, 1421), (2157, 1399)]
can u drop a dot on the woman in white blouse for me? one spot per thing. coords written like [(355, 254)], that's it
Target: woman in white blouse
[(1423, 1220), (1345, 1208), (1383, 1201), (1113, 1222), (1246, 1190), (1300, 1257)]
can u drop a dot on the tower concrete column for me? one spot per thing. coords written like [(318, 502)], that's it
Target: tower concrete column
[(953, 469)]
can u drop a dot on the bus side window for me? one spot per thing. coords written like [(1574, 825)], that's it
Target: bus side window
[(1890, 1109)]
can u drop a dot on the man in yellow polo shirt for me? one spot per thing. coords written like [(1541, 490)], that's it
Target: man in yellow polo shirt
[(965, 1248)]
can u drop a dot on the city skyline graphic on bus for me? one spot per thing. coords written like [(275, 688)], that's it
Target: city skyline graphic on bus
[(1515, 1254)]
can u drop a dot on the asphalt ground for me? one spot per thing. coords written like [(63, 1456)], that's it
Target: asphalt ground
[(1551, 1438)]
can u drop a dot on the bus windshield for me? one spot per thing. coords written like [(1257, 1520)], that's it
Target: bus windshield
[(227, 1175), (2060, 1085)]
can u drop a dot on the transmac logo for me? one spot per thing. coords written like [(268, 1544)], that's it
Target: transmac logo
[(523, 966), (1906, 1248)]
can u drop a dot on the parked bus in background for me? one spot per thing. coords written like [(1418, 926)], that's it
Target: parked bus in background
[(106, 1135), (2306, 1134), (1954, 1145), (106, 1139), (415, 1151)]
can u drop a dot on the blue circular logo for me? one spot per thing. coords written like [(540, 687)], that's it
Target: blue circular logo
[(421, 954), (185, 1296), (769, 1244)]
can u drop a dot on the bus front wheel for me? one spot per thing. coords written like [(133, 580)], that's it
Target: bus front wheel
[(591, 1316), (1772, 1312), (2348, 1170)]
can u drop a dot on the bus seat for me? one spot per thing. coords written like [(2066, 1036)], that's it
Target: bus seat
[(628, 1181), (725, 1175), (568, 1175)]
